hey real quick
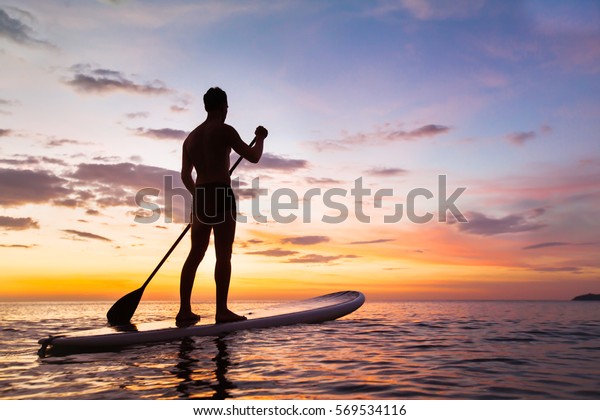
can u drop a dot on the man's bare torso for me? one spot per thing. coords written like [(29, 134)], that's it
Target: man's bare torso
[(208, 150)]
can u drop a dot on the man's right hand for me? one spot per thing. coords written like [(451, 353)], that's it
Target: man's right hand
[(261, 132)]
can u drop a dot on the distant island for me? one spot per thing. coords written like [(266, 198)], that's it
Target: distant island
[(589, 296)]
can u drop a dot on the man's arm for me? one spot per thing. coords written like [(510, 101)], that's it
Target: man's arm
[(186, 171), (251, 154)]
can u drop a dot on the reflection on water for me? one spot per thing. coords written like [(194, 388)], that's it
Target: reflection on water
[(188, 367), (450, 350)]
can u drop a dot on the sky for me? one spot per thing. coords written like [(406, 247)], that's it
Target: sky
[(369, 106)]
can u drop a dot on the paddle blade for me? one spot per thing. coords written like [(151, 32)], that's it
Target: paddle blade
[(123, 309)]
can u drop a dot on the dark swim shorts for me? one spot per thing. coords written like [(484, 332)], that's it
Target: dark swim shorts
[(213, 202)]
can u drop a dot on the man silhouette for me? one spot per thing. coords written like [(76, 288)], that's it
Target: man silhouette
[(207, 149)]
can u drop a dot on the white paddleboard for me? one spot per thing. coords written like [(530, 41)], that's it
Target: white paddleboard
[(318, 309)]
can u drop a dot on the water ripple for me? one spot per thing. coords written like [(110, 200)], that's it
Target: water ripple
[(402, 350)]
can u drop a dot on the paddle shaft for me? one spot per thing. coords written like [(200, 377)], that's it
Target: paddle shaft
[(235, 165)]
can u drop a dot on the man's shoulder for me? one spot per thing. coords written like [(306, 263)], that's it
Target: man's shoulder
[(229, 128)]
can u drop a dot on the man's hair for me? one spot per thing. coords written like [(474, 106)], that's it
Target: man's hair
[(214, 99)]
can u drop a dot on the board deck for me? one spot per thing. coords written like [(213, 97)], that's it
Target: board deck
[(318, 309)]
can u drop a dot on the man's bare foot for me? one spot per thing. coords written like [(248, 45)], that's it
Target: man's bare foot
[(186, 319), (228, 316)]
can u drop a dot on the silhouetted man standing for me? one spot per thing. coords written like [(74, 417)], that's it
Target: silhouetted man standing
[(207, 149)]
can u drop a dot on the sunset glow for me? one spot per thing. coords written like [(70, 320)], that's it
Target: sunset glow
[(96, 98)]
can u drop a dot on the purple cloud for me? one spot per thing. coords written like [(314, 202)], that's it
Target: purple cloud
[(374, 241), (480, 224), (546, 245), (162, 133), (18, 223), (87, 79), (15, 30), (305, 240), (381, 135), (86, 235), (19, 187), (557, 269), (63, 142), (276, 252), (520, 138), (322, 181), (280, 163), (319, 259), (386, 171), (18, 246)]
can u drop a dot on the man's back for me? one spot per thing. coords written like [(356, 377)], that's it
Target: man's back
[(208, 149)]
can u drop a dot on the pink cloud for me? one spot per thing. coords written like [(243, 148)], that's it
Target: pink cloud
[(521, 137), (379, 136), (481, 224)]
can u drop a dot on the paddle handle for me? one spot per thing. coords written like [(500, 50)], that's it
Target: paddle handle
[(235, 165), (237, 162), (167, 255)]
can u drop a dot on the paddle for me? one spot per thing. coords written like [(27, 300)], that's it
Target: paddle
[(123, 309)]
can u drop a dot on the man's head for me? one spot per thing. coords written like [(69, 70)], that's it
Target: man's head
[(215, 100)]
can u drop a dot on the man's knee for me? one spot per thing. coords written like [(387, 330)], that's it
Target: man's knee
[(197, 253), (224, 258)]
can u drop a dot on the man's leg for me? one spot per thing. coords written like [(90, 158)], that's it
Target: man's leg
[(200, 240), (224, 236)]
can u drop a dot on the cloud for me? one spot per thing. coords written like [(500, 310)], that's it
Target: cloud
[(16, 30), (322, 181), (134, 115), (125, 175), (115, 2), (380, 135), (162, 133), (319, 259), (63, 142), (97, 80), (328, 145), (18, 223), (546, 245), (89, 186), (17, 160), (521, 137), (68, 202), (86, 235), (276, 252), (177, 108), (555, 244), (19, 187), (305, 240), (386, 171), (120, 184), (546, 129), (428, 9), (479, 224), (549, 269), (30, 160), (18, 246), (280, 163), (429, 130), (250, 242), (374, 241), (387, 134), (106, 158), (6, 102)]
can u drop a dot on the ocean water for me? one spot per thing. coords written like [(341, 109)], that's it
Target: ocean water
[(391, 350)]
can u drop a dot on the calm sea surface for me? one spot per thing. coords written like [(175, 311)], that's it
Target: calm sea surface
[(401, 350)]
